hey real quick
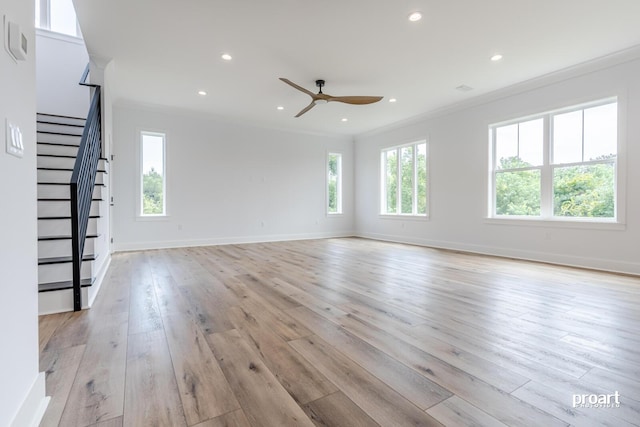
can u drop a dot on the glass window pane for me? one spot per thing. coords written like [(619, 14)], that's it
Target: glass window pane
[(518, 193), (506, 145), (567, 137), (333, 183), (391, 160), (421, 169), (601, 132), (530, 142), (584, 191), (63, 17), (152, 175), (406, 187)]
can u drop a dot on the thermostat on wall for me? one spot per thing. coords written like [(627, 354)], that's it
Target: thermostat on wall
[(16, 42)]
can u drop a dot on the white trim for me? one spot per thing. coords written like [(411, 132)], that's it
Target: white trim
[(139, 201), (33, 406), (231, 240), (43, 32), (339, 179), (570, 222), (93, 290), (609, 265)]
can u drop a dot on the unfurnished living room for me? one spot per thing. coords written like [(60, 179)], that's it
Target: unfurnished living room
[(340, 213)]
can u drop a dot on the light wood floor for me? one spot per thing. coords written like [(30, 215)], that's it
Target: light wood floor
[(343, 332)]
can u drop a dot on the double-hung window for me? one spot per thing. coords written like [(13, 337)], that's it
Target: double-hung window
[(557, 165), (404, 180)]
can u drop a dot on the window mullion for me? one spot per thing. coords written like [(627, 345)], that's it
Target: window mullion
[(546, 174)]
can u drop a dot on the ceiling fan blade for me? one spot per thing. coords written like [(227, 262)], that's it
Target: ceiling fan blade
[(300, 88), (357, 100), (305, 109)]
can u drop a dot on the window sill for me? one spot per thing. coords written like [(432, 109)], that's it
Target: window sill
[(405, 217), (152, 218), (334, 214), (558, 223), (43, 32)]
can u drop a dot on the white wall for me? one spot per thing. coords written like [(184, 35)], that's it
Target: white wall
[(458, 171), (227, 182), (60, 62), (21, 387)]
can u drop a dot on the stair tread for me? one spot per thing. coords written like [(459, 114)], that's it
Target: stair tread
[(66, 284), (64, 259), (60, 144), (59, 115), (64, 156), (48, 218), (65, 183), (45, 122), (48, 132), (64, 237), (49, 199), (66, 169)]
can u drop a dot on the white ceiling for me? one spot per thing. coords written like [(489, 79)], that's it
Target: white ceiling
[(165, 51)]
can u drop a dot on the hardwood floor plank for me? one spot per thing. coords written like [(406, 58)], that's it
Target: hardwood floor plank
[(144, 314), (113, 422), (47, 325), (337, 410), (97, 393), (60, 367), (301, 380), (204, 390), (231, 419), (264, 401), (151, 395), (457, 412), (410, 384), (378, 400)]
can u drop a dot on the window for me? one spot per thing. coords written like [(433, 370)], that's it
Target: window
[(58, 16), (334, 183), (557, 165), (404, 180), (153, 200)]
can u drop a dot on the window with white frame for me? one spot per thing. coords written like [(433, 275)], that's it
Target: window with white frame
[(58, 16), (334, 183), (403, 173), (557, 165), (153, 181)]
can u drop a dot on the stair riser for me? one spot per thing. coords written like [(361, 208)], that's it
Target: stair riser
[(62, 162), (58, 248), (59, 150), (62, 208), (62, 176), (62, 139), (62, 227), (59, 128), (62, 272), (62, 191), (56, 119)]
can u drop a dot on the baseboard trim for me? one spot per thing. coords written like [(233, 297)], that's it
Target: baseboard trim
[(612, 266), (168, 244), (92, 292), (34, 405)]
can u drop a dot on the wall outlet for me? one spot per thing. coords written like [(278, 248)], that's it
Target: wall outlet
[(15, 145)]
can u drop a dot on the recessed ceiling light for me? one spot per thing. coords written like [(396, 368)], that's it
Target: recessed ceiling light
[(415, 16), (226, 57), (344, 119), (392, 100), (280, 107), (202, 93), (496, 57)]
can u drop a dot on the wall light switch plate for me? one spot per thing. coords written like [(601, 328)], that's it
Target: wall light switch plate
[(15, 145)]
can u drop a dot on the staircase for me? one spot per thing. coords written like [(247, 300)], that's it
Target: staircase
[(58, 141)]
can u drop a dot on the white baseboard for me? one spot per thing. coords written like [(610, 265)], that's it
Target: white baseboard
[(167, 244), (609, 265), (32, 410), (97, 284)]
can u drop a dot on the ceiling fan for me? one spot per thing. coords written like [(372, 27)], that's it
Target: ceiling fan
[(323, 98)]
